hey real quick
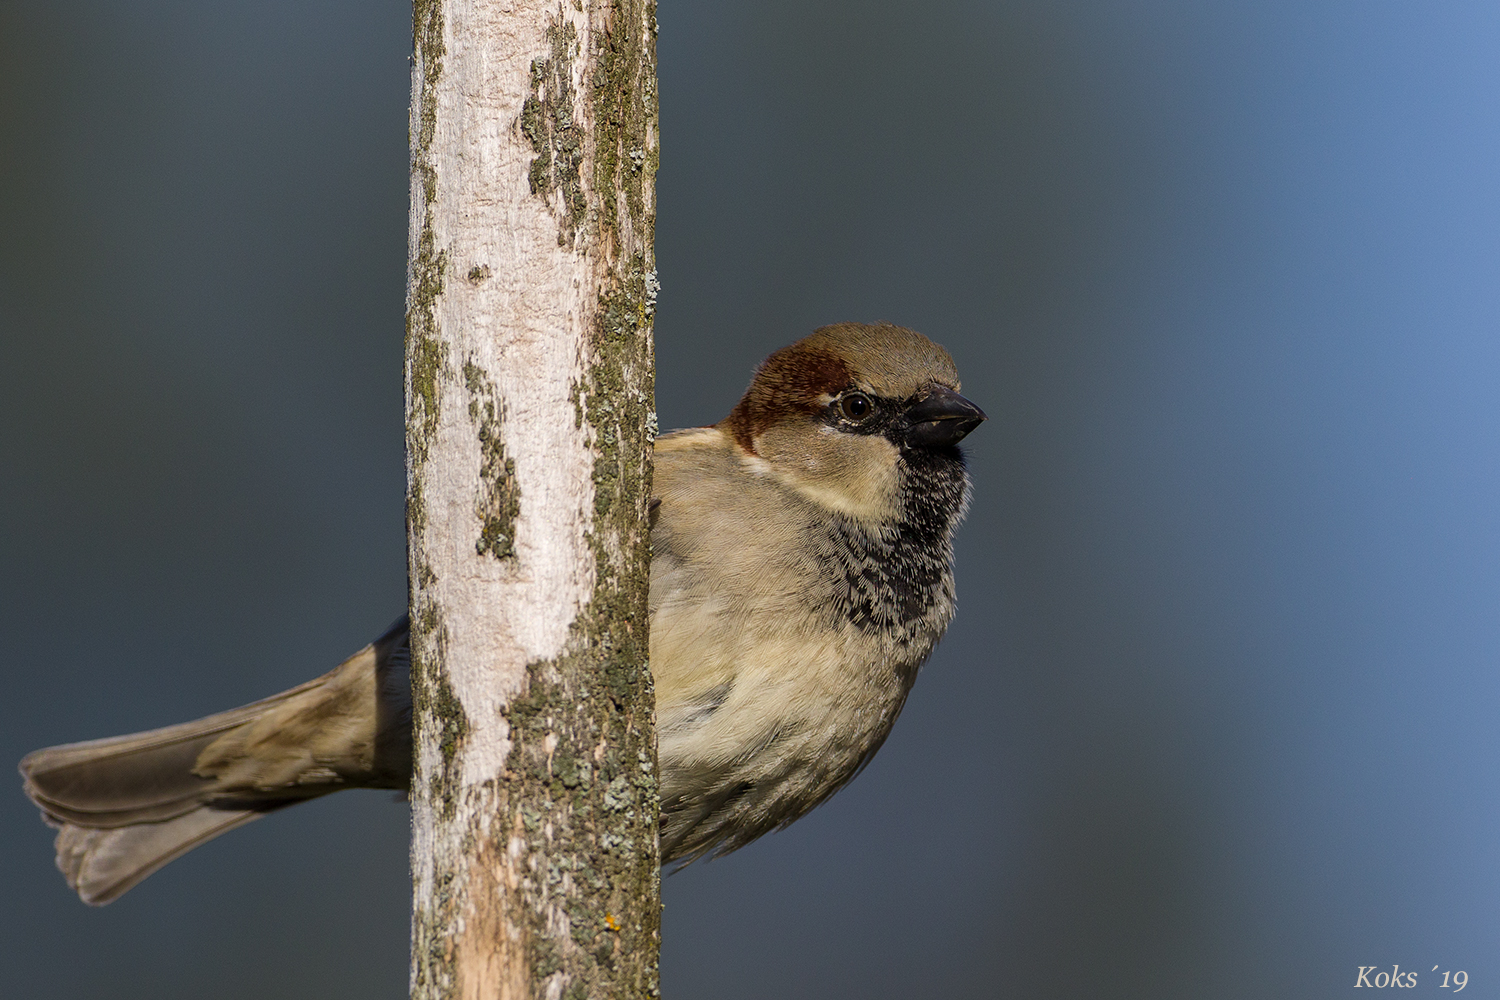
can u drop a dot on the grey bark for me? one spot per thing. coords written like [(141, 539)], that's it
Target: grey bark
[(531, 287)]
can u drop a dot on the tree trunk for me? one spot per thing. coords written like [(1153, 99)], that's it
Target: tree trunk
[(530, 415)]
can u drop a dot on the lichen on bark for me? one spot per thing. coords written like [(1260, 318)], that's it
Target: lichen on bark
[(499, 501), (549, 123), (426, 355)]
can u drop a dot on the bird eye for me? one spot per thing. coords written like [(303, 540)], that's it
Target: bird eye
[(855, 406)]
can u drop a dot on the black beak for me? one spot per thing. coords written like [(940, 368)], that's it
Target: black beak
[(940, 420)]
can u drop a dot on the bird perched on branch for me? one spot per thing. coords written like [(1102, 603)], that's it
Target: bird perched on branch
[(802, 571)]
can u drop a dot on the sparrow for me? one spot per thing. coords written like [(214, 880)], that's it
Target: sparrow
[(801, 573)]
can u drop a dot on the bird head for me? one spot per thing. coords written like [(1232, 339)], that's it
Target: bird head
[(843, 415)]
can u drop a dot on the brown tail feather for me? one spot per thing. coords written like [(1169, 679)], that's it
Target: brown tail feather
[(100, 864), (127, 805), (140, 778)]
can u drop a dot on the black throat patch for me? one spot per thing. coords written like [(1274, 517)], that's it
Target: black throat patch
[(897, 578)]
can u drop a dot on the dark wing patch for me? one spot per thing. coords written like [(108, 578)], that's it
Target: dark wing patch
[(711, 701)]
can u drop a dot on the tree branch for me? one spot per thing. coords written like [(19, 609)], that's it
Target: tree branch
[(529, 380)]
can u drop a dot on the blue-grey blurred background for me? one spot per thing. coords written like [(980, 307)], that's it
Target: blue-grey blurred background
[(1220, 714)]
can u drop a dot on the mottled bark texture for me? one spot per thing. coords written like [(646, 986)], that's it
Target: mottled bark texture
[(529, 392)]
